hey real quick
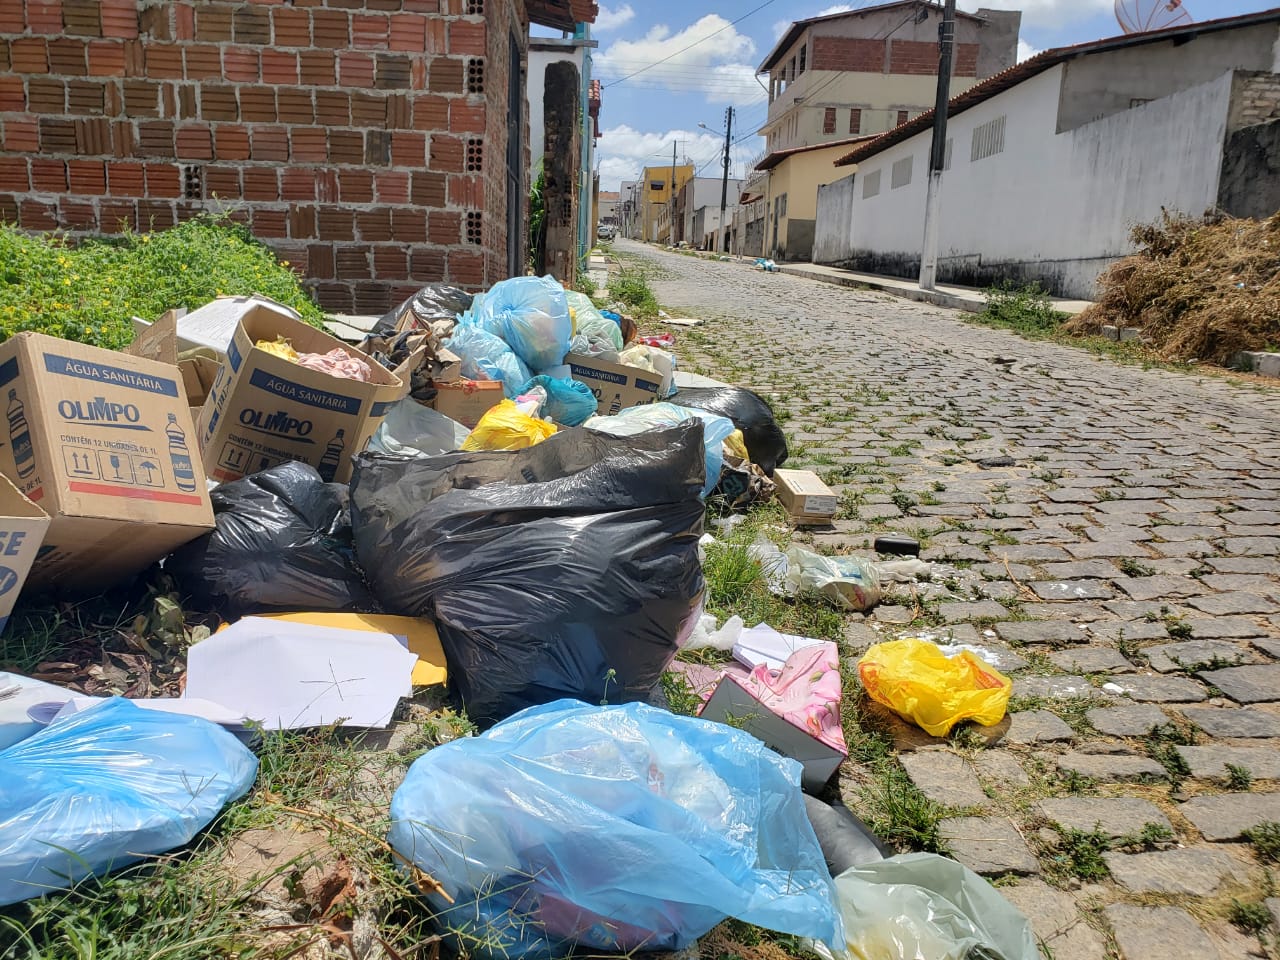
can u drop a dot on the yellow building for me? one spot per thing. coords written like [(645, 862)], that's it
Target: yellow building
[(790, 192), (656, 197)]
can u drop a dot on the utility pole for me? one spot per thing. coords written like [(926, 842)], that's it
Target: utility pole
[(671, 232), (724, 183), (938, 155)]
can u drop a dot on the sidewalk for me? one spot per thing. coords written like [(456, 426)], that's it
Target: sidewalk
[(959, 298)]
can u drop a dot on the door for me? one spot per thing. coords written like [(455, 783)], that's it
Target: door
[(515, 167)]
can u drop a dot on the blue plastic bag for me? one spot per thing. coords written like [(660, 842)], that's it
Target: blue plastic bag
[(109, 786), (532, 315), (487, 357), (569, 402), (633, 420), (612, 828)]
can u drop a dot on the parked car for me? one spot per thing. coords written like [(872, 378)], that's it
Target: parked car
[(606, 231)]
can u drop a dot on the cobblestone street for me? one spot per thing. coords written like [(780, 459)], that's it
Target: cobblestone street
[(1110, 537)]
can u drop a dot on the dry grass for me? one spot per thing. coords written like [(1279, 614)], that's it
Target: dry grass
[(1198, 289)]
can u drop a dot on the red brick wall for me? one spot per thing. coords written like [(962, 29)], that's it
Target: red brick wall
[(921, 58), (849, 53), (337, 130)]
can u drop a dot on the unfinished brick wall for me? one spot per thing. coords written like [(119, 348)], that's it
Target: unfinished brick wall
[(365, 141), (1255, 98), (911, 57)]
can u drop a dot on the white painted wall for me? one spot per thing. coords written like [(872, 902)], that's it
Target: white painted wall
[(1065, 201), (835, 215)]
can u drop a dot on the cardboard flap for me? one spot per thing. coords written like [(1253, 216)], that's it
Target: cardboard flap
[(261, 323), (157, 342)]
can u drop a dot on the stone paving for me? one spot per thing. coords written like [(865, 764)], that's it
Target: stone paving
[(1109, 535)]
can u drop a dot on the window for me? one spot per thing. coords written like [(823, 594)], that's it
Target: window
[(829, 120), (902, 117), (855, 120), (658, 185), (871, 185), (902, 172), (988, 140), (803, 55)]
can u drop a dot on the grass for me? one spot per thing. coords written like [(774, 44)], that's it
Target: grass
[(630, 287), (1265, 838), (88, 291), (1026, 310), (1080, 854)]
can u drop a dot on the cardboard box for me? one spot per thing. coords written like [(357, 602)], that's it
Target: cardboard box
[(214, 324), (734, 705), (22, 529), (264, 409), (103, 442), (616, 386), (805, 497), (466, 401)]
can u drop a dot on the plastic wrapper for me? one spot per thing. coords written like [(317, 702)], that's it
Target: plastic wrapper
[(337, 363), (279, 347), (655, 416), (612, 829), (412, 430), (281, 542), (589, 322), (920, 906), (531, 314), (569, 402), (507, 427), (106, 787), (920, 683), (487, 357), (766, 444), (849, 582), (637, 355), (569, 569), (436, 302)]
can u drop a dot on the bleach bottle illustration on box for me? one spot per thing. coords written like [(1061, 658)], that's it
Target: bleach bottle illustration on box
[(24, 458), (184, 471), (328, 465)]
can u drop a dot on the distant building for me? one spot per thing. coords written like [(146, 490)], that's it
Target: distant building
[(695, 194), (607, 207), (656, 200), (837, 78), (1050, 164)]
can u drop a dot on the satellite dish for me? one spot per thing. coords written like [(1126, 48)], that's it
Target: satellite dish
[(1139, 16)]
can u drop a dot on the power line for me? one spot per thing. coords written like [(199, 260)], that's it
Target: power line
[(672, 56)]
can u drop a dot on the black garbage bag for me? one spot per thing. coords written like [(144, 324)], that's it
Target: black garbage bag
[(750, 413), (282, 542), (845, 840), (435, 301), (569, 569)]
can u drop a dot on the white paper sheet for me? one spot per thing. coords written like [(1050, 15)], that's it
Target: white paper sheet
[(763, 644), (289, 675)]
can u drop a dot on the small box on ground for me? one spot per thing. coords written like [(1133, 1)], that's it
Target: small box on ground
[(103, 442), (734, 705), (615, 385), (22, 529), (805, 497), (265, 409), (466, 401), (214, 324)]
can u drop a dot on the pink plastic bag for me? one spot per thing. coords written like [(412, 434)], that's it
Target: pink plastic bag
[(805, 692)]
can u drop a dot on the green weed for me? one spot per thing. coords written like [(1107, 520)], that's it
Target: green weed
[(630, 287), (1249, 917), (1079, 853), (1265, 838), (1026, 310), (1238, 777)]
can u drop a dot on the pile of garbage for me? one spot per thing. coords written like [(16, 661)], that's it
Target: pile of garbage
[(1198, 289), (503, 494)]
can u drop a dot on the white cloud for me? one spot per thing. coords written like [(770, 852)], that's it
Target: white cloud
[(624, 151), (1026, 51), (781, 26), (708, 57), (1047, 13), (611, 18), (835, 8)]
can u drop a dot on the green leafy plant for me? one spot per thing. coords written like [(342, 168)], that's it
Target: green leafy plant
[(1026, 309), (1249, 917), (1265, 838), (1238, 777), (630, 287), (1080, 853), (88, 291)]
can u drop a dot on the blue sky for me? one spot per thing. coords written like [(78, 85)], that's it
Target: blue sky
[(642, 116)]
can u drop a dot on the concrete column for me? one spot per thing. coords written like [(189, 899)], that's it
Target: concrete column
[(561, 164)]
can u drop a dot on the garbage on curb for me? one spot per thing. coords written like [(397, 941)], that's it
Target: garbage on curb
[(616, 386), (19, 698), (795, 711), (106, 787), (925, 905), (807, 500), (486, 356), (569, 402), (845, 840), (103, 443), (22, 529), (281, 542), (852, 583), (466, 401), (413, 430), (265, 409), (920, 683), (530, 315), (566, 569), (435, 303), (287, 676), (213, 325), (507, 427), (766, 444), (611, 829)]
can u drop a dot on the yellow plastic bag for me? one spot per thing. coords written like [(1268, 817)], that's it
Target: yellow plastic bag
[(279, 347), (736, 446), (504, 427), (935, 692)]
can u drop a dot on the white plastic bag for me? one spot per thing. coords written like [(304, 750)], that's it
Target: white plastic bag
[(412, 430)]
